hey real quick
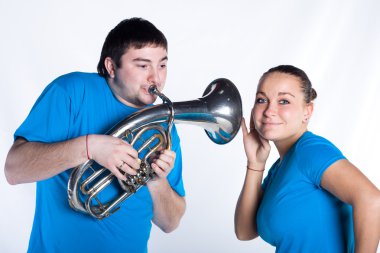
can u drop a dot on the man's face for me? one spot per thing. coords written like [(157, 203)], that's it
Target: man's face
[(140, 68)]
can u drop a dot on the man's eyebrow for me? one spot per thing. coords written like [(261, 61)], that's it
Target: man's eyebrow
[(147, 60)]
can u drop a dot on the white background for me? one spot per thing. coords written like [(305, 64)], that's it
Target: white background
[(336, 42)]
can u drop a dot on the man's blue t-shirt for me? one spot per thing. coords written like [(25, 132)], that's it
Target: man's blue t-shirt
[(296, 214), (74, 105)]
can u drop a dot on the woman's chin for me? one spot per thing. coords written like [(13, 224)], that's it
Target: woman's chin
[(269, 135)]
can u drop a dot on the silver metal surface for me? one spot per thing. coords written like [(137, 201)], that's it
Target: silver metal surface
[(218, 111)]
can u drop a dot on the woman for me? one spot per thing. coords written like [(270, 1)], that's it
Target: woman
[(313, 199)]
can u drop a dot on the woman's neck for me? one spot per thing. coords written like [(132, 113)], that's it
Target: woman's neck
[(285, 144)]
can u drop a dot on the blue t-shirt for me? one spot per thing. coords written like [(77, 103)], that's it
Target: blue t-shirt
[(74, 105), (296, 214)]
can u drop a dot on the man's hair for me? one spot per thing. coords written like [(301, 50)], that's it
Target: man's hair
[(129, 33)]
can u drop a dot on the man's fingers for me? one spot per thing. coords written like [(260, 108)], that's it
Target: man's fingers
[(163, 165), (160, 172), (119, 173), (132, 162), (125, 168)]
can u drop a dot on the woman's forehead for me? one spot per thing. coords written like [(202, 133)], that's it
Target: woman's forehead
[(280, 82)]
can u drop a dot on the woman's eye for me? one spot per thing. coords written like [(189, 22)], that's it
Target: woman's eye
[(260, 100), (284, 102)]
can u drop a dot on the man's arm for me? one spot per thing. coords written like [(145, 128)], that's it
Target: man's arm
[(168, 206), (34, 161)]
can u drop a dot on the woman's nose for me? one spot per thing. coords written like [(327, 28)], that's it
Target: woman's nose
[(270, 110)]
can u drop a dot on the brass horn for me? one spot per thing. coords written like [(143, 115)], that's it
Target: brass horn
[(218, 111)]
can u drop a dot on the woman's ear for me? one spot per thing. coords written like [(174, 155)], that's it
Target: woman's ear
[(110, 66), (308, 112)]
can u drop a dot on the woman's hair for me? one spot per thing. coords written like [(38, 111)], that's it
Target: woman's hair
[(308, 90), (129, 33)]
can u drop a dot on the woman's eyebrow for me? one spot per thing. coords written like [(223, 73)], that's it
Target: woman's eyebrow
[(261, 93), (286, 93), (280, 93)]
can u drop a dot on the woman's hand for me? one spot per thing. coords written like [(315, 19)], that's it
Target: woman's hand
[(256, 148)]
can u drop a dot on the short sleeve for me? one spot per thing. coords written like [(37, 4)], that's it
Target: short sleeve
[(315, 155), (49, 118)]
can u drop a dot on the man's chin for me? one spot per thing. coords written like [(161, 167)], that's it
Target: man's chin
[(150, 100), (144, 103)]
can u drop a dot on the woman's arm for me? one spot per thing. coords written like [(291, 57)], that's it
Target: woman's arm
[(248, 204), (257, 151), (348, 184)]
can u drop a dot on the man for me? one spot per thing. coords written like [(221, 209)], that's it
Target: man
[(66, 127)]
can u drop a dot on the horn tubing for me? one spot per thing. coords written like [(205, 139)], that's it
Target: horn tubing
[(219, 112)]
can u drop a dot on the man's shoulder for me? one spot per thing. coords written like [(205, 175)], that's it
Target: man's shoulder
[(78, 77), (78, 81)]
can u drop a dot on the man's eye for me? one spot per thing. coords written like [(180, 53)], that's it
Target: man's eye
[(143, 66), (163, 66)]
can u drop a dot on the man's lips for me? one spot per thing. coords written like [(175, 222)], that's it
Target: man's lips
[(146, 90)]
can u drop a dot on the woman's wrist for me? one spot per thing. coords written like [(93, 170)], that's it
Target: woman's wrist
[(255, 166), (253, 169)]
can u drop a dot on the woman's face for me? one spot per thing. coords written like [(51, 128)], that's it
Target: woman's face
[(280, 111)]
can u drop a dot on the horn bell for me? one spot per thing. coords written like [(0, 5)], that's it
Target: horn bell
[(224, 106)]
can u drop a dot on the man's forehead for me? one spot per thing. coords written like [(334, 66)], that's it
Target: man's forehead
[(146, 54)]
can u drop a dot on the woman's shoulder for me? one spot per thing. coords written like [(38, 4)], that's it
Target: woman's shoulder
[(313, 146), (309, 139), (314, 154)]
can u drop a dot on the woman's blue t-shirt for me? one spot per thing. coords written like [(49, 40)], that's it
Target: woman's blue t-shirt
[(296, 214)]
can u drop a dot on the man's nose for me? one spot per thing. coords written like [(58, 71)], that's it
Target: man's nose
[(154, 77)]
